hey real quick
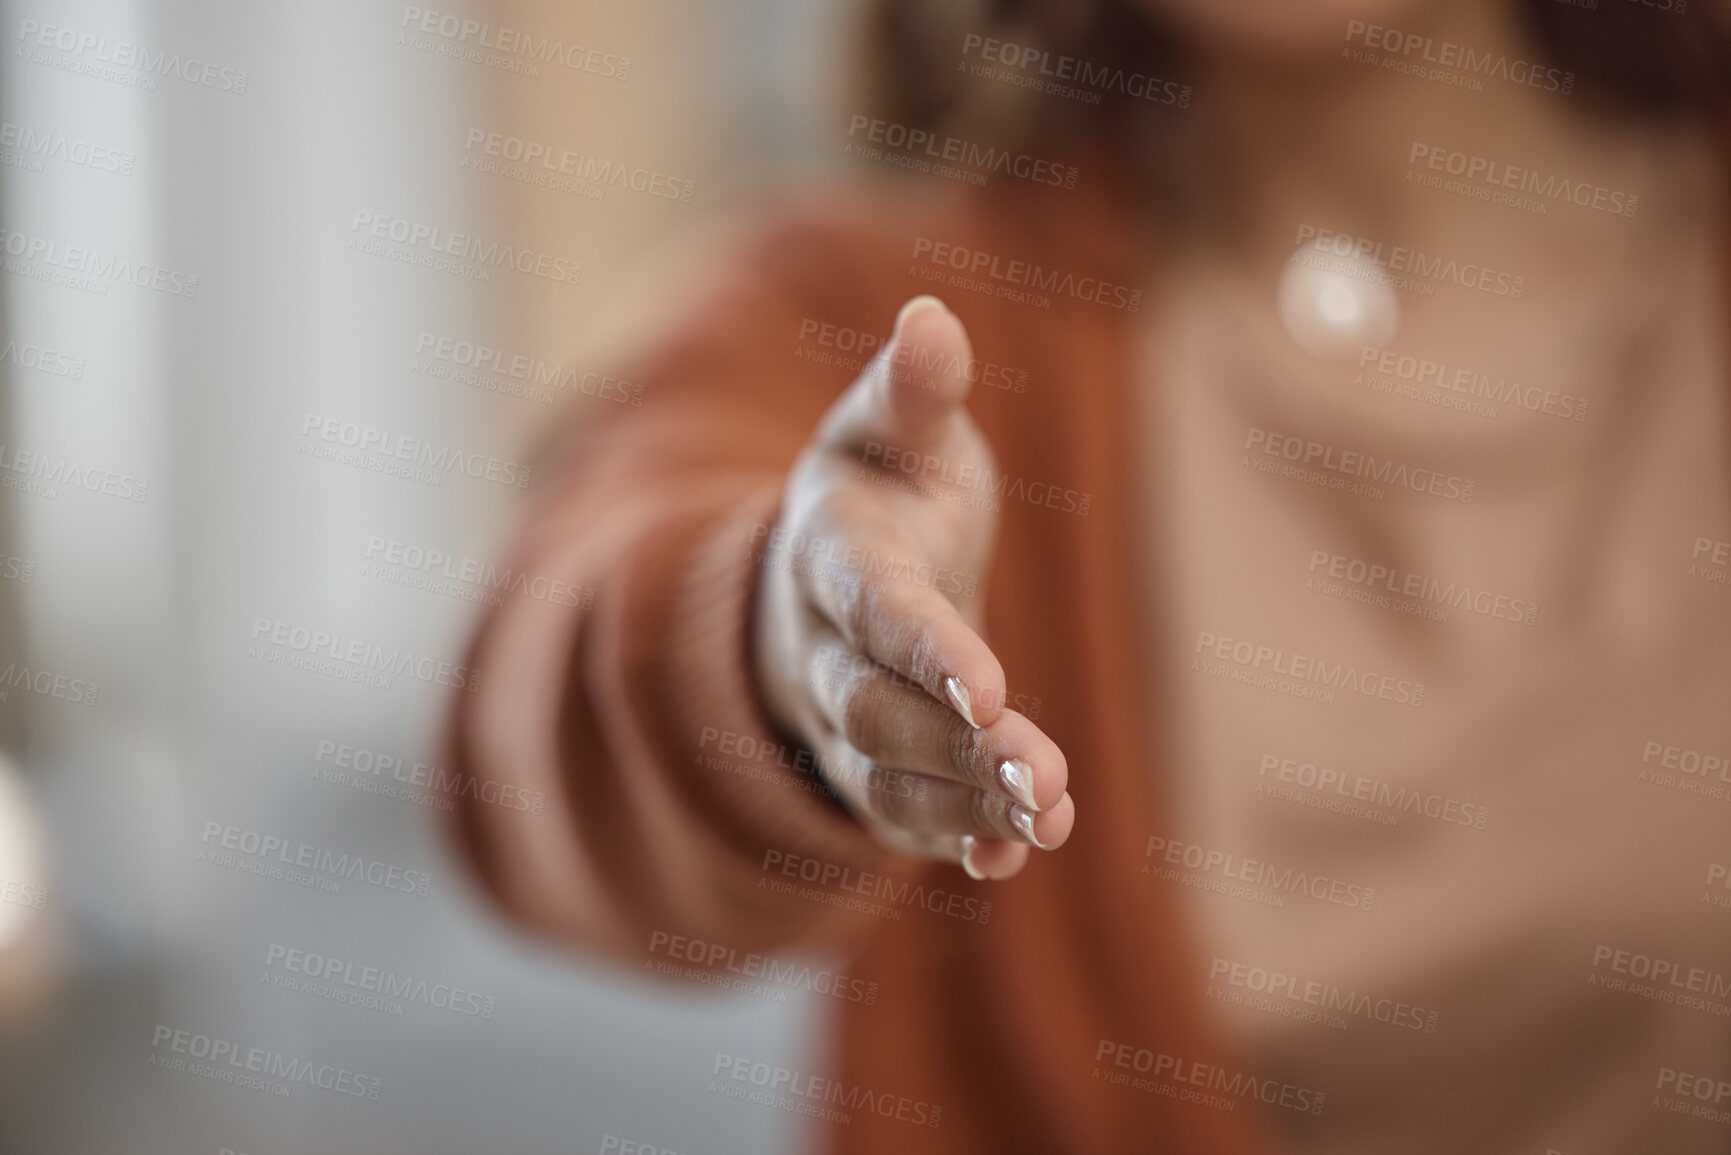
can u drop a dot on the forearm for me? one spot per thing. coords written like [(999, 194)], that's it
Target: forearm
[(671, 802)]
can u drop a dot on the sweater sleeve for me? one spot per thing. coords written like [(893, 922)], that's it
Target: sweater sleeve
[(626, 706)]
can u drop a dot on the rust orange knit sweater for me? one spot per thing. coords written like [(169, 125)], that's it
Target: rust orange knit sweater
[(1051, 1013)]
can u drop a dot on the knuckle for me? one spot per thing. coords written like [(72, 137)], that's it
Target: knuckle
[(865, 800), (861, 603), (923, 653), (967, 751), (822, 679), (920, 789), (912, 788), (833, 766), (889, 806), (984, 813), (860, 709)]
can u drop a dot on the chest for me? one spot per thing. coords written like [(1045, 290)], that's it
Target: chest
[(1448, 676)]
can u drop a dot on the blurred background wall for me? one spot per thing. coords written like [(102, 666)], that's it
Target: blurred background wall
[(207, 291)]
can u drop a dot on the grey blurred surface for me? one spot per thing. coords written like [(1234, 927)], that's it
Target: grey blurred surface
[(157, 601)]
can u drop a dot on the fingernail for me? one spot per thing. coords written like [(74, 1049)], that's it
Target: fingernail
[(1018, 779), (957, 691), (1023, 821), (969, 844), (920, 302)]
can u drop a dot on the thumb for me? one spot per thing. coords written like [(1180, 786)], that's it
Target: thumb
[(910, 389)]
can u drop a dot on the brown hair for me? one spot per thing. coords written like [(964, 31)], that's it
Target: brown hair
[(1647, 57)]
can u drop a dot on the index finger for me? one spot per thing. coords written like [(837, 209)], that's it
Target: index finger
[(913, 630)]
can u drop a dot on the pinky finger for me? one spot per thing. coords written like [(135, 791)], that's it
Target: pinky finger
[(992, 858)]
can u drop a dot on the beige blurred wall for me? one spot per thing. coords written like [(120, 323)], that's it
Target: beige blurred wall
[(723, 96)]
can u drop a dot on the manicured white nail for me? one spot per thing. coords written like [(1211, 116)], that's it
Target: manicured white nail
[(923, 301), (1023, 821), (957, 691), (969, 844), (1017, 779)]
